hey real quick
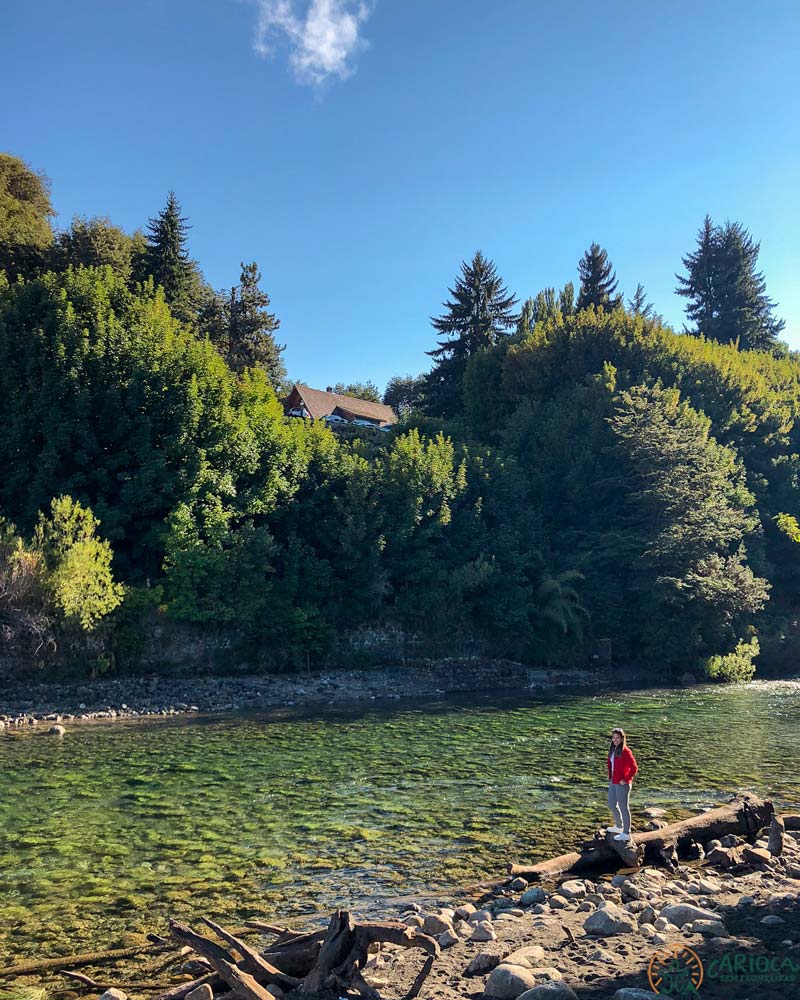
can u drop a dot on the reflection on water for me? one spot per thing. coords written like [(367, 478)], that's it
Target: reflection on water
[(111, 828)]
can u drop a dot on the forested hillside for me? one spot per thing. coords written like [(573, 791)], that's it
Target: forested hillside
[(569, 470)]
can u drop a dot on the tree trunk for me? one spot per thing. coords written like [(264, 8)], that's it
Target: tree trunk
[(745, 814)]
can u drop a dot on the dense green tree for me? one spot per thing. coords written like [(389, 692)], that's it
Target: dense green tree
[(25, 213), (57, 588), (95, 243), (404, 393), (598, 281), (167, 259), (103, 397), (252, 328), (727, 297), (688, 503), (78, 564), (359, 390), (478, 314), (243, 329)]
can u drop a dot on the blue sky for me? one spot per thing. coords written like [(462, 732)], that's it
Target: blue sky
[(360, 151)]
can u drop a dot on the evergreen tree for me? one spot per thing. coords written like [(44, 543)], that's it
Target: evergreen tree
[(639, 305), (251, 329), (479, 313), (167, 259), (598, 281), (727, 297)]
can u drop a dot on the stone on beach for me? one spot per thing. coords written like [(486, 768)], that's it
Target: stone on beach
[(572, 889), (482, 963), (609, 919), (533, 896), (483, 932), (683, 913), (709, 928), (527, 957), (507, 982), (436, 923), (554, 990)]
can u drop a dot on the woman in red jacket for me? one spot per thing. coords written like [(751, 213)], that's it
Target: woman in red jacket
[(621, 769)]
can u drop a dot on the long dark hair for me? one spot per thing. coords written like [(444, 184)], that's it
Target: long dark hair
[(618, 750)]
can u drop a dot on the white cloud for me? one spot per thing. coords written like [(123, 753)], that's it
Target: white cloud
[(322, 42)]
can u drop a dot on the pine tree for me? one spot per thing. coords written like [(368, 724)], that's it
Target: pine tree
[(639, 305), (167, 258), (598, 281), (251, 327), (727, 296), (478, 314)]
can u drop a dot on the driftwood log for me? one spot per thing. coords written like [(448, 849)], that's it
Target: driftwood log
[(308, 964), (744, 815)]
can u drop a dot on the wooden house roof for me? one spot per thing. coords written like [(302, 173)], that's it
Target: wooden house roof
[(320, 403)]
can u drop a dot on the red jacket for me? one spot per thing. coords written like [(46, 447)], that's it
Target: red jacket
[(625, 767)]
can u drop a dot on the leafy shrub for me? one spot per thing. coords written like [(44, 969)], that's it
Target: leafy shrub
[(736, 667)]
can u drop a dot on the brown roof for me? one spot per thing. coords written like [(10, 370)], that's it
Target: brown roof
[(319, 404)]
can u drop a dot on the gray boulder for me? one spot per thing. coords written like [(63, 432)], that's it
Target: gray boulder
[(483, 932), (507, 982), (527, 957), (482, 963), (708, 928), (532, 896), (609, 919), (683, 913), (436, 923), (572, 889), (448, 938), (553, 990)]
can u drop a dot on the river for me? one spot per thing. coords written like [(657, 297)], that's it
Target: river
[(106, 831)]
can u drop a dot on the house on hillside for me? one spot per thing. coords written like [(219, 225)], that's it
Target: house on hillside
[(303, 401)]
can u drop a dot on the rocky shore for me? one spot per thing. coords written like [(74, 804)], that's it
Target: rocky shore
[(595, 939), (724, 928), (152, 695)]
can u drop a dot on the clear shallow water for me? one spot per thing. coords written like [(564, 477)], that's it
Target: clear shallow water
[(111, 828)]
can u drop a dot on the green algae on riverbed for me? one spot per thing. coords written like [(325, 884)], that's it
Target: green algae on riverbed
[(106, 831)]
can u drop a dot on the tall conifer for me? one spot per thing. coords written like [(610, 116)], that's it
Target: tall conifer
[(167, 258), (727, 296), (598, 281), (478, 314)]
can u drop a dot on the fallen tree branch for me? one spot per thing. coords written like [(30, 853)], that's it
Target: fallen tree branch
[(94, 985), (745, 814), (87, 958)]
